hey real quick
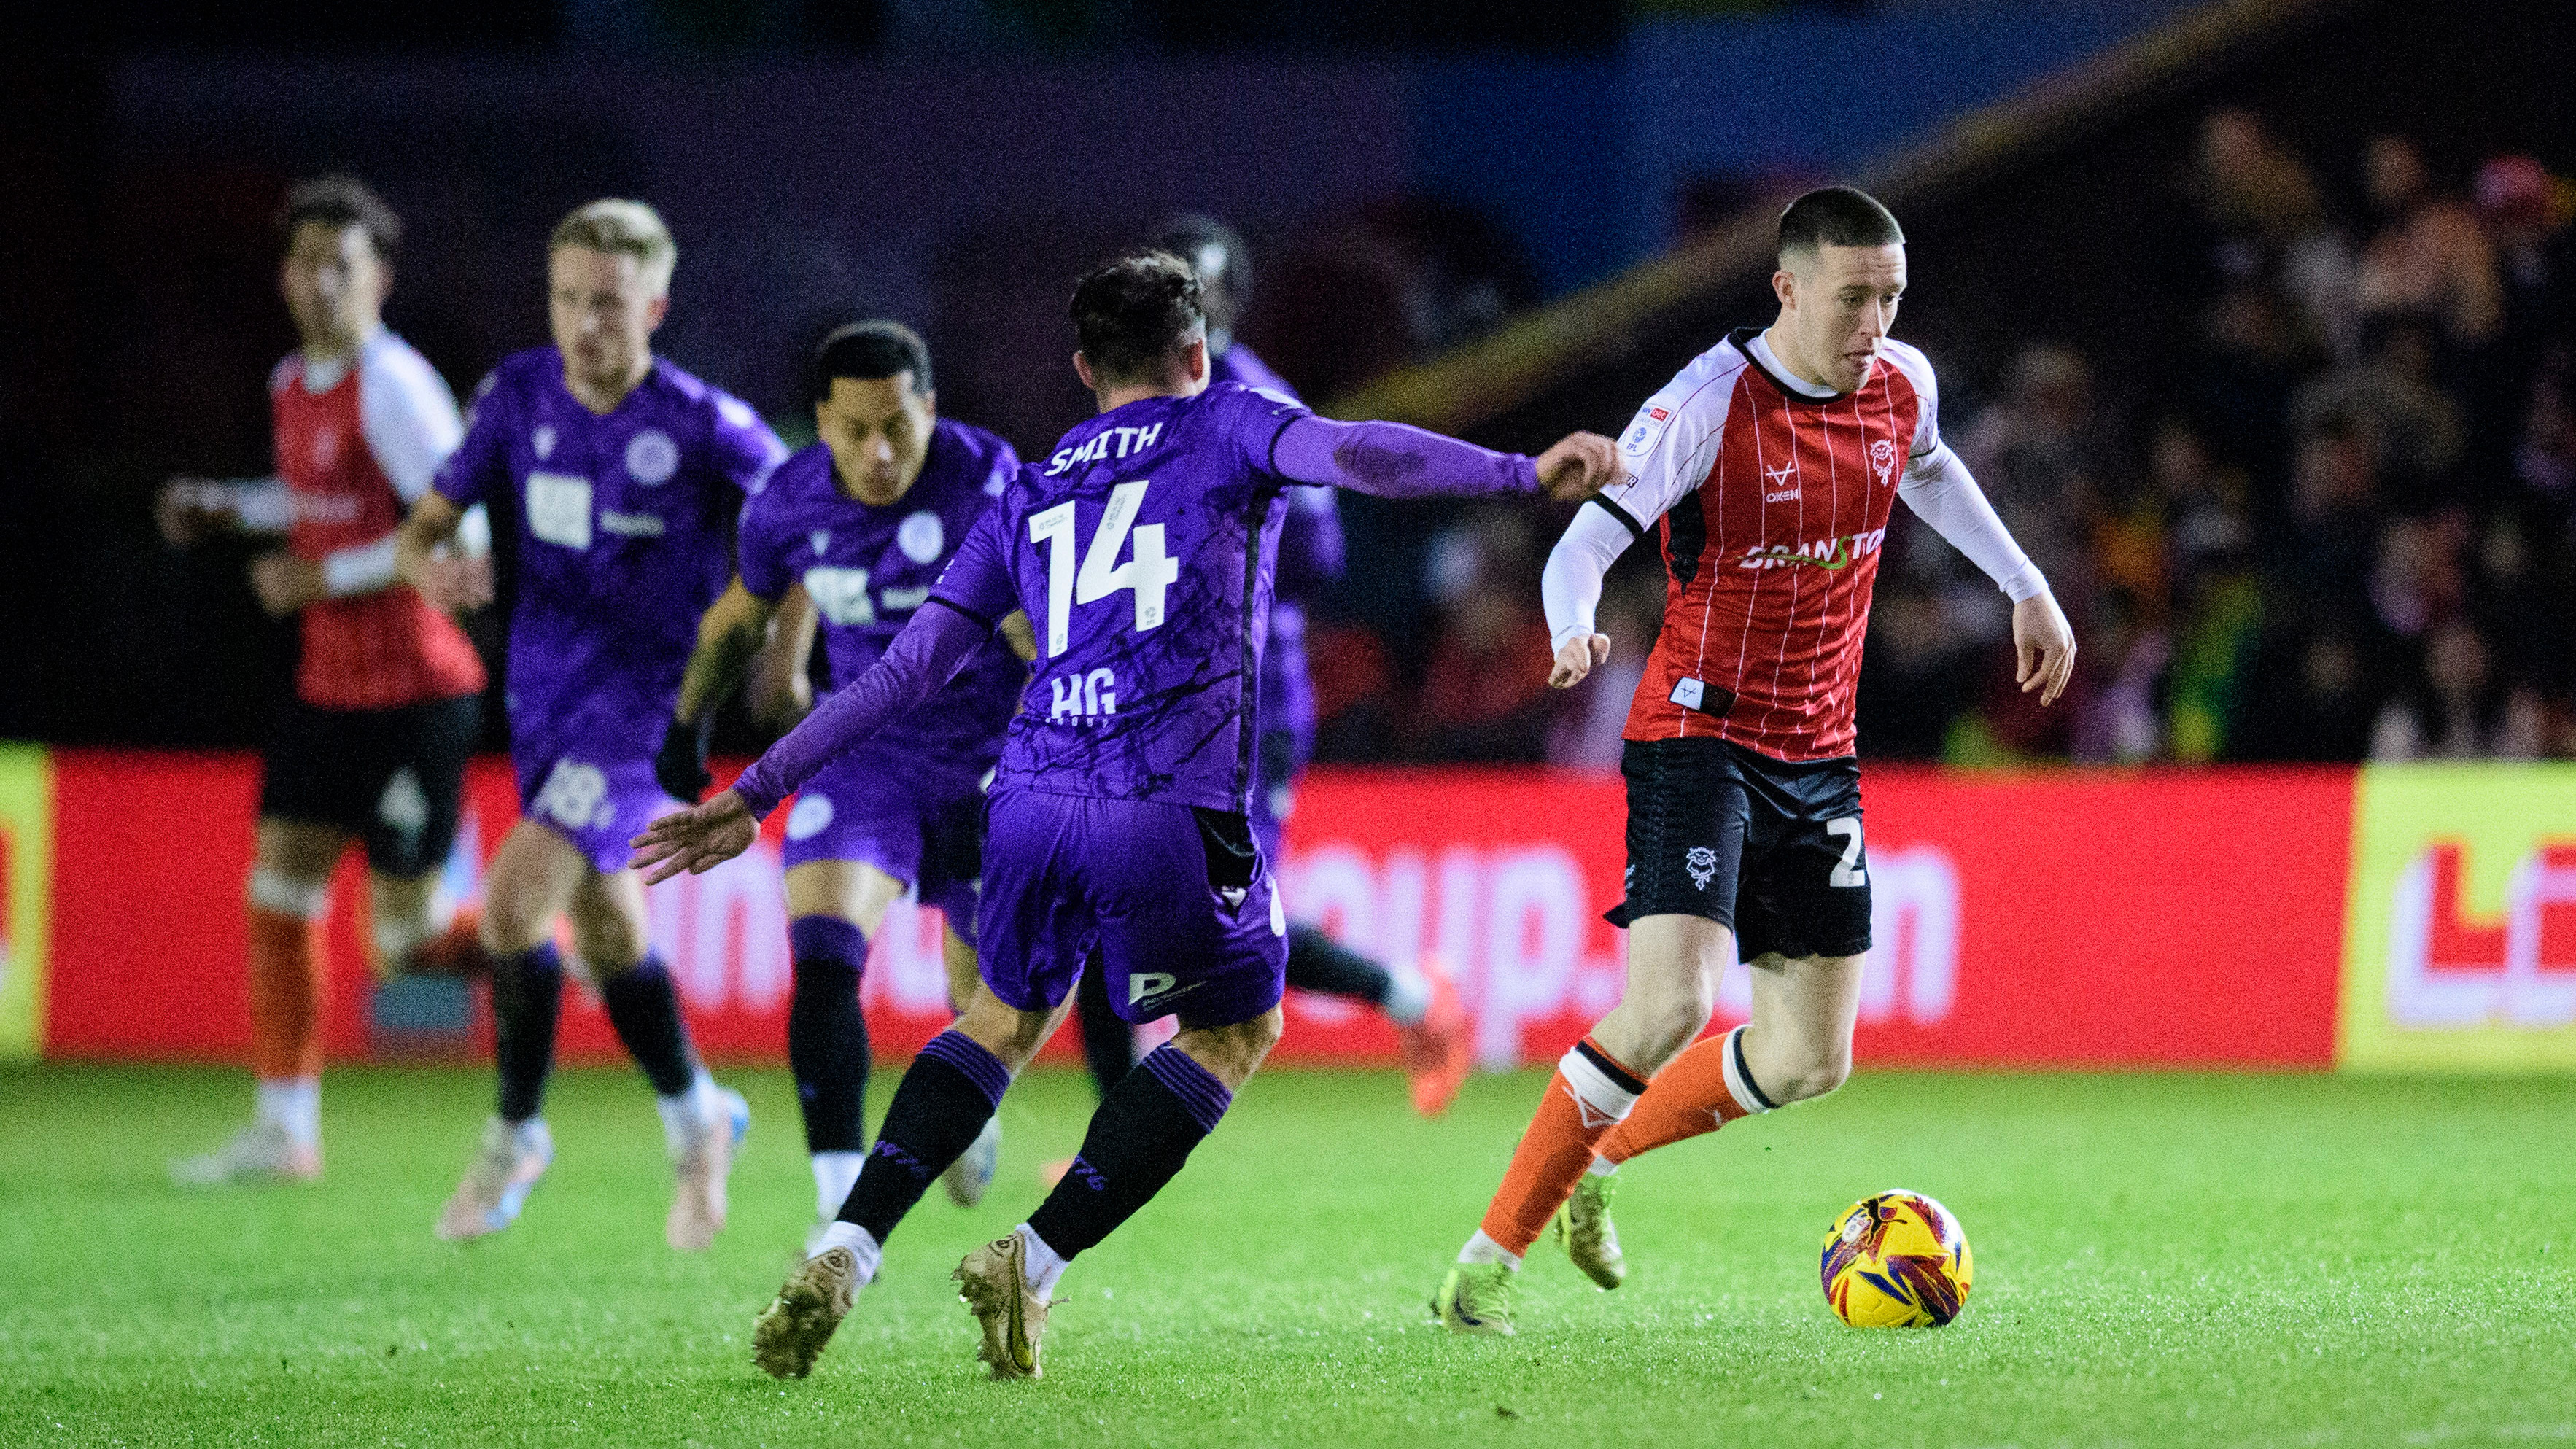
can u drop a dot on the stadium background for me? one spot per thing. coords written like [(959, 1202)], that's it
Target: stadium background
[(2231, 1003), (2292, 519)]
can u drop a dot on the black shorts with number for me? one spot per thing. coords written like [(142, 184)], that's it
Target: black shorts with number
[(391, 777), (1770, 850)]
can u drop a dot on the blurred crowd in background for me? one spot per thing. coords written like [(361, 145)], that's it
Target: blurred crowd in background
[(2345, 535)]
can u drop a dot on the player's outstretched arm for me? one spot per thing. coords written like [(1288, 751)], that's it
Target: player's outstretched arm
[(1570, 588), (1392, 460), (448, 582), (696, 840), (2044, 646)]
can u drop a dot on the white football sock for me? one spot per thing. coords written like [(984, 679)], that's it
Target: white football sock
[(532, 1136), (862, 1244), (835, 1173), (1601, 1166), (294, 1106), (1408, 1001), (1482, 1249), (1044, 1267), (685, 1109)]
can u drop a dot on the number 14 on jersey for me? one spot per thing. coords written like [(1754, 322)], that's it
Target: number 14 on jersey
[(1149, 573)]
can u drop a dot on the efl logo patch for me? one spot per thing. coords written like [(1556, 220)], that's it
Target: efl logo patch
[(1645, 432)]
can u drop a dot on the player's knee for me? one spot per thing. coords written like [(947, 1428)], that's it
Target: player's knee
[(1810, 1073), (510, 928)]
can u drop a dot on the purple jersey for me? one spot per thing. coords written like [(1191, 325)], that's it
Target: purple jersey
[(620, 526), (868, 568), (1143, 552), (1310, 561)]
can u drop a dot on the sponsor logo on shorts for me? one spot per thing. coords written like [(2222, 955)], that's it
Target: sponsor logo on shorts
[(1702, 865), (542, 443)]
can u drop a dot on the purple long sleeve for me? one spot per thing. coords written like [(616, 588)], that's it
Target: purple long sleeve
[(1392, 460), (934, 646)]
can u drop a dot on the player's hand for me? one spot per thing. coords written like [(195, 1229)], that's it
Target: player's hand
[(695, 840), (285, 583), (2044, 646), (454, 585), (1578, 466), (681, 766), (1577, 658), (185, 512)]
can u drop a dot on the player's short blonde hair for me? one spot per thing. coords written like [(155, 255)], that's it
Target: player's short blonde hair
[(621, 228)]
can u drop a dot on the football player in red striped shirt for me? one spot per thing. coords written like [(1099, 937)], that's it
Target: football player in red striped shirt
[(388, 692), (1766, 469)]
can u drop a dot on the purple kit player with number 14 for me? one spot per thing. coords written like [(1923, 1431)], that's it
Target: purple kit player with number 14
[(621, 477), (1142, 550)]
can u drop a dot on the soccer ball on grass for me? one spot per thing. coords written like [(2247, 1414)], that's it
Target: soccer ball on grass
[(1897, 1260)]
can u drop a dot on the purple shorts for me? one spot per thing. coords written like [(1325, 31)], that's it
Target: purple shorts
[(922, 827), (1174, 906), (599, 806)]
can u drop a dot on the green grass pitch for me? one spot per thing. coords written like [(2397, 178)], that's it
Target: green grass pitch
[(2162, 1259)]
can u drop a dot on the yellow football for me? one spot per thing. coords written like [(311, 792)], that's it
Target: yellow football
[(1897, 1260)]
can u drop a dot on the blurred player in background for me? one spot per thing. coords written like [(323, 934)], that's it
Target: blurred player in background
[(1118, 839), (388, 691), (620, 477), (1430, 1025), (1772, 460), (848, 537)]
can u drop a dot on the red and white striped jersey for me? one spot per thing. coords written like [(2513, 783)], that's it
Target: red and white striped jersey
[(1773, 501), (355, 444)]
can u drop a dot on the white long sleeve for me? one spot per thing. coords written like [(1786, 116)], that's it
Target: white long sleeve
[(1570, 587), (1940, 490)]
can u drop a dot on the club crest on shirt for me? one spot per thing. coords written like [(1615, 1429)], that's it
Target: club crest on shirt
[(1702, 865), (1882, 457), (921, 537), (651, 457), (326, 448), (542, 443)]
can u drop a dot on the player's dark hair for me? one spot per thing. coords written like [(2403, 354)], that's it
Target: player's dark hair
[(1838, 216), (1191, 238), (870, 350), (1135, 313), (339, 202)]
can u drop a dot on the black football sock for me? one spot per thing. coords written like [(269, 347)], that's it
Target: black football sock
[(827, 1034), (527, 996), (1108, 1042), (1317, 962), (646, 1013), (1139, 1138), (942, 1103)]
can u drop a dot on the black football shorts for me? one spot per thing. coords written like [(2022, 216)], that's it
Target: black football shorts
[(390, 777), (1770, 850)]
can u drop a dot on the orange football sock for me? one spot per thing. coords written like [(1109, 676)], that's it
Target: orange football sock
[(1697, 1092), (287, 990), (1585, 1099)]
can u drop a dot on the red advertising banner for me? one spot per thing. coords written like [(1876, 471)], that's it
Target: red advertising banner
[(2054, 918)]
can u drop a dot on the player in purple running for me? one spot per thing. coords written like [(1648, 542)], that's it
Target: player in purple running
[(848, 537), (614, 480), (1143, 551), (1430, 1024)]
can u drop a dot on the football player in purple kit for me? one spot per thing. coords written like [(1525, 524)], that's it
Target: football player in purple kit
[(848, 536), (1143, 551), (614, 479), (1430, 1025)]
